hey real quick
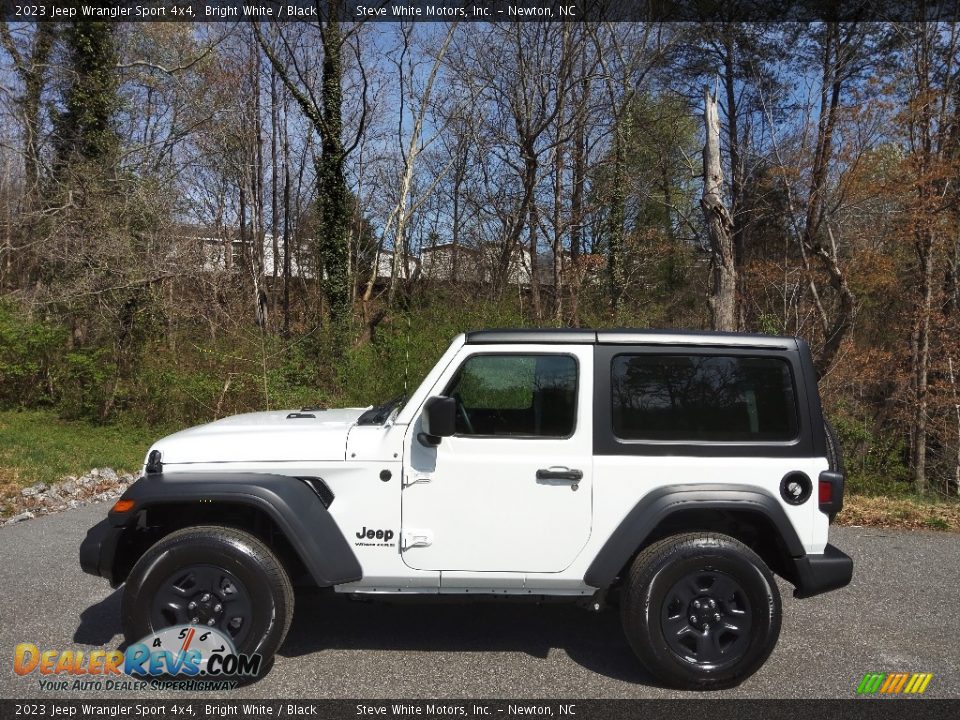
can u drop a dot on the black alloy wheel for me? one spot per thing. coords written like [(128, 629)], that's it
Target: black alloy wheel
[(204, 595), (211, 576), (705, 619), (701, 610)]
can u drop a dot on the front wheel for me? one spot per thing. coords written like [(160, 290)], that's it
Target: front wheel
[(211, 576), (701, 610)]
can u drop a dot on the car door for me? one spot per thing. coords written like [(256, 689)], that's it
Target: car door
[(511, 490)]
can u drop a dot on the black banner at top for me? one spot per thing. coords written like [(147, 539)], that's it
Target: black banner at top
[(482, 10)]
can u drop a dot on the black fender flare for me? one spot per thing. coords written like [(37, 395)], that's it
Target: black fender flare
[(657, 505), (290, 502)]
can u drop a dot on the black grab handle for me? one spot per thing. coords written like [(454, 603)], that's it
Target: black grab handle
[(547, 474)]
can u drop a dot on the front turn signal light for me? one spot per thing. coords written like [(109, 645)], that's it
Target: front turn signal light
[(122, 506)]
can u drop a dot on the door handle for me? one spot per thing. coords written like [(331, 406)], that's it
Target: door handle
[(560, 473)]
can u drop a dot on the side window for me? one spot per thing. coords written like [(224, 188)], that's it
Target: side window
[(516, 395), (703, 398)]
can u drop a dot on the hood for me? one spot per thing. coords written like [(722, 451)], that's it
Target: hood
[(263, 437)]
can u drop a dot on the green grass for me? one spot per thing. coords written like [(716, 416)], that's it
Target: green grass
[(36, 446)]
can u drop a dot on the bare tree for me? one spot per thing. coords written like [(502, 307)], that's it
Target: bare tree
[(933, 53), (399, 219), (627, 58), (32, 68), (723, 289), (325, 113), (838, 48)]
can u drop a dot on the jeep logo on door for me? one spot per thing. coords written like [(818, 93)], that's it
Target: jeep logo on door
[(379, 538)]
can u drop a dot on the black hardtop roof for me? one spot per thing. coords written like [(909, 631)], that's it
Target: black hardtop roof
[(628, 336)]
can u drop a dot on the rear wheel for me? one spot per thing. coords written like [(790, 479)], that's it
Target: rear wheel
[(211, 576), (701, 611)]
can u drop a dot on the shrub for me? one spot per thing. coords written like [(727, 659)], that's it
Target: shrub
[(875, 462), (83, 383), (31, 354)]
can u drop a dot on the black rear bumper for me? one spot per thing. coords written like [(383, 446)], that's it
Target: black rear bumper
[(99, 548), (816, 574)]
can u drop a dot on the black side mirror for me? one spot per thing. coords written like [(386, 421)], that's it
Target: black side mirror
[(439, 419)]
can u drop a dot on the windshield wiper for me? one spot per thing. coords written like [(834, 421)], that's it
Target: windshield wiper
[(379, 414)]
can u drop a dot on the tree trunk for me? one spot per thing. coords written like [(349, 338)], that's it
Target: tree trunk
[(723, 291), (513, 245), (34, 81), (459, 175), (258, 235), (579, 170), (558, 167), (274, 193), (737, 174), (85, 129), (956, 409), (921, 369), (332, 251), (332, 192), (616, 270), (534, 263), (286, 233), (6, 266)]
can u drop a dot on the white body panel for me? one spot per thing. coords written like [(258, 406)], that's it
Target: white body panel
[(261, 437), (471, 510), (480, 497)]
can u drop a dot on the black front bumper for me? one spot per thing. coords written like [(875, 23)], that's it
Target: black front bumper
[(816, 574), (99, 548)]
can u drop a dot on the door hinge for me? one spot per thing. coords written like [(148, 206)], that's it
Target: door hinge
[(415, 538), (411, 478)]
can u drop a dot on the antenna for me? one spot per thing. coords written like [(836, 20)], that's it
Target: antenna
[(406, 356)]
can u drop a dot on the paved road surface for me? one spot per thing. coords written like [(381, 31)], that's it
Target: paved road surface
[(902, 613)]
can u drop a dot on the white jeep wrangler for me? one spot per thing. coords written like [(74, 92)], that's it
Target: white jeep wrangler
[(670, 473)]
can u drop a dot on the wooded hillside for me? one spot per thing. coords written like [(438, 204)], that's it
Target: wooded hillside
[(202, 219)]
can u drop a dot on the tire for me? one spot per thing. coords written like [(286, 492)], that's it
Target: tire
[(658, 605), (235, 568)]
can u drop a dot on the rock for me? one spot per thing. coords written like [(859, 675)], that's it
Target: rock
[(98, 485)]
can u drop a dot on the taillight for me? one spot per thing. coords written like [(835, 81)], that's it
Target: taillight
[(830, 492), (826, 492)]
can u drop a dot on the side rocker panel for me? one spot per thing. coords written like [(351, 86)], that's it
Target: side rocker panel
[(657, 505), (289, 502)]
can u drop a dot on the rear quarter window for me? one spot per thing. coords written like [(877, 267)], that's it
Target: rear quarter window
[(703, 398)]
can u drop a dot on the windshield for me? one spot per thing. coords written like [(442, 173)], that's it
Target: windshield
[(379, 414)]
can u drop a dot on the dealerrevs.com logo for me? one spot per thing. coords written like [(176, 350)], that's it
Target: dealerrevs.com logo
[(183, 657), (894, 683)]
